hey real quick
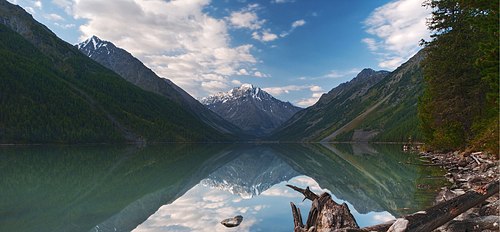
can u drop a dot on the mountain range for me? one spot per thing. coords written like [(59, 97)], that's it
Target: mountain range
[(252, 109), (53, 93), (134, 71), (95, 92), (252, 172), (374, 106)]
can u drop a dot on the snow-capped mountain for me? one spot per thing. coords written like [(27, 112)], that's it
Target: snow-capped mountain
[(251, 108), (251, 173), (134, 71)]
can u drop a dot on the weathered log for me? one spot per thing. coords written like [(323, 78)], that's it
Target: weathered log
[(297, 218), (326, 215), (308, 194), (444, 212)]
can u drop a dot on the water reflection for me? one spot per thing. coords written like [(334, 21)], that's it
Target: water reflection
[(370, 177), (254, 170), (192, 188)]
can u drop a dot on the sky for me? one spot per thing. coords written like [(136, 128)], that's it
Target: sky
[(294, 49), (202, 208)]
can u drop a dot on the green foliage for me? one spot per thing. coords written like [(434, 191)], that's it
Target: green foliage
[(344, 136), (460, 103), (74, 188), (388, 107), (51, 93)]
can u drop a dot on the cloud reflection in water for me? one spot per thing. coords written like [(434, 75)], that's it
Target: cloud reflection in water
[(202, 208)]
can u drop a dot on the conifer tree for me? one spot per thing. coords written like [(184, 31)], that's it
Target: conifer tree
[(460, 104)]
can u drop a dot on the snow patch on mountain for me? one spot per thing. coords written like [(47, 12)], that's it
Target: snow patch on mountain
[(251, 108)]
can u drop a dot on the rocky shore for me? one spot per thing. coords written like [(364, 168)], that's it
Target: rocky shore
[(466, 171)]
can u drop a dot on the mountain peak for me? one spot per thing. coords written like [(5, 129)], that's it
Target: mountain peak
[(93, 45), (251, 108), (245, 90), (94, 41)]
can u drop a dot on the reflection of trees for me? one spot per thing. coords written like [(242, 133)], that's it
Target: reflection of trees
[(76, 188), (371, 178)]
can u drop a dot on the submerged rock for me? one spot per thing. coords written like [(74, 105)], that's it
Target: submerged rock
[(232, 222)]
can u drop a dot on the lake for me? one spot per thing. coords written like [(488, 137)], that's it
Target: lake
[(191, 187)]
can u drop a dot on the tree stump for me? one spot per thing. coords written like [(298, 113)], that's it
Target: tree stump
[(326, 215)]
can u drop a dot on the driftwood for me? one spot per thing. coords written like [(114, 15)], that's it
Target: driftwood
[(326, 215)]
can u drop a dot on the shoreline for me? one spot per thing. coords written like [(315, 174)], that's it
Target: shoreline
[(466, 171)]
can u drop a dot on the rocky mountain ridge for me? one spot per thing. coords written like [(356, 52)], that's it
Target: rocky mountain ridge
[(252, 109), (52, 93), (374, 106), (134, 71)]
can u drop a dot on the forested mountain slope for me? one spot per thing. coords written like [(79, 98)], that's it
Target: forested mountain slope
[(374, 106), (52, 93), (134, 71)]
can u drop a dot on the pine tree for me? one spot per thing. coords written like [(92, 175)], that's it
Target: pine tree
[(460, 104)]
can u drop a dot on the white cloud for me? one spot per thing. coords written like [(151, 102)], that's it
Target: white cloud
[(371, 43), (174, 38), (64, 4), (392, 62), (264, 36), (317, 92), (260, 74), (200, 209), (246, 18), (335, 74), (316, 88), (276, 91), (214, 86), (298, 23), (236, 82), (282, 1), (295, 24), (38, 4), (53, 17), (398, 27), (243, 72), (281, 192), (65, 26), (305, 102)]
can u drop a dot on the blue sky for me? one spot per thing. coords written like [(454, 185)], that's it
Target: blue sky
[(293, 49)]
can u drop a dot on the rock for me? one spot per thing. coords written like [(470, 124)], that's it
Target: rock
[(458, 192), (474, 224), (232, 222), (477, 180), (399, 226), (490, 209), (462, 163)]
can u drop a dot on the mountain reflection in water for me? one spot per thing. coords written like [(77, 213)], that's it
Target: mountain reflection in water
[(192, 188)]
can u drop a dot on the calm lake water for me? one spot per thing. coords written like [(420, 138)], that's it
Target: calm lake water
[(194, 187)]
